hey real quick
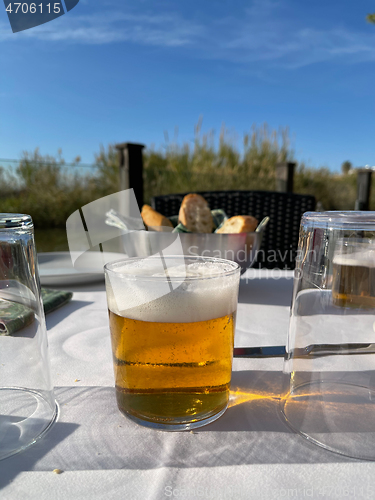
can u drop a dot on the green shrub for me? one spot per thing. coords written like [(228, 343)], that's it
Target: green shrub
[(49, 190), (43, 187), (202, 166)]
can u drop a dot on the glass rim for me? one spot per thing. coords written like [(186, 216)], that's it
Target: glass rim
[(340, 218), (235, 268), (14, 221)]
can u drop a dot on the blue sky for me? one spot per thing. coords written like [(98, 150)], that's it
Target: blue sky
[(114, 71)]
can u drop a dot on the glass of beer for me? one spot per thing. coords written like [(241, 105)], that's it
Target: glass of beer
[(172, 322), (329, 394)]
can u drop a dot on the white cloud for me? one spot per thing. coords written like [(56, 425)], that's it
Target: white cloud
[(264, 34), (160, 30)]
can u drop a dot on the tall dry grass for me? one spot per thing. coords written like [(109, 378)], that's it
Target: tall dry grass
[(50, 191)]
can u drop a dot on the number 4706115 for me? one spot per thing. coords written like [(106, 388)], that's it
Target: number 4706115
[(33, 8)]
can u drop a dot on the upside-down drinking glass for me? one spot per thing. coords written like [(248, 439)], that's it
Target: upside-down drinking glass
[(27, 403), (330, 366)]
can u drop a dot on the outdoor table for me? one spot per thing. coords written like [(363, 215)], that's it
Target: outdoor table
[(248, 453)]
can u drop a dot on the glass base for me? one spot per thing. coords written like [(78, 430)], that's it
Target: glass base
[(25, 417), (337, 416), (186, 426)]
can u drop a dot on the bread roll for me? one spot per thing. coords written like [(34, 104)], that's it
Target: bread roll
[(155, 221), (195, 214), (239, 224)]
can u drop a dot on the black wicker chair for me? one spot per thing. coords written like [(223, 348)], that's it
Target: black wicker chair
[(280, 240)]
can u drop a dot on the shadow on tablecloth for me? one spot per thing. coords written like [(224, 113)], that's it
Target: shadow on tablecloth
[(29, 459), (101, 438), (259, 291)]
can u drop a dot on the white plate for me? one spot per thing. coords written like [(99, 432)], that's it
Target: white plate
[(56, 268)]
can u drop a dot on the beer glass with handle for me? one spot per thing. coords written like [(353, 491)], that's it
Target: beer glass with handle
[(172, 322)]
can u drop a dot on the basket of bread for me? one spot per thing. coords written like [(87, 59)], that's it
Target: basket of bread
[(197, 230)]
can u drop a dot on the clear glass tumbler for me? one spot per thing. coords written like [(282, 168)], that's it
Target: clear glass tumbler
[(330, 365), (27, 403), (172, 322)]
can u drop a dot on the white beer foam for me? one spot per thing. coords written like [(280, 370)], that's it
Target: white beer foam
[(175, 301), (360, 258), (155, 268)]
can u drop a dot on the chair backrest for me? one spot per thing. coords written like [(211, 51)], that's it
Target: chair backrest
[(280, 240)]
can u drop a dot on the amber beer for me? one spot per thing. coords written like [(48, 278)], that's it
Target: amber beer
[(353, 282), (173, 355)]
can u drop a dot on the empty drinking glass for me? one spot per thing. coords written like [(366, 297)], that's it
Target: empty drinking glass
[(27, 403), (330, 366)]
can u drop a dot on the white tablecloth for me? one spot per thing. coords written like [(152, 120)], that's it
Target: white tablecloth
[(248, 453)]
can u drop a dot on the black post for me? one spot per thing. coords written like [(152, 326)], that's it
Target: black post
[(284, 177), (363, 189), (131, 168)]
